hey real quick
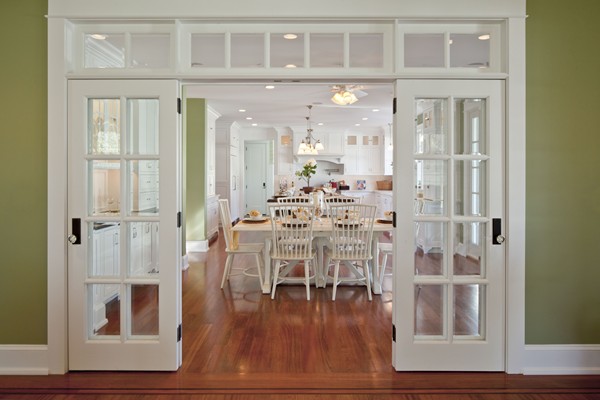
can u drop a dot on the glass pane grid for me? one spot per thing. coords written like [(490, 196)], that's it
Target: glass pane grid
[(123, 168), (451, 166)]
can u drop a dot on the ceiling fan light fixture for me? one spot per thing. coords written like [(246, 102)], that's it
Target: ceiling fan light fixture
[(344, 97)]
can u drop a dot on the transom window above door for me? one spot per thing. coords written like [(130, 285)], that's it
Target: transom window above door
[(379, 48)]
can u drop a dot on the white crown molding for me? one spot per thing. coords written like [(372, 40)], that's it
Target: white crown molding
[(570, 359), (24, 360)]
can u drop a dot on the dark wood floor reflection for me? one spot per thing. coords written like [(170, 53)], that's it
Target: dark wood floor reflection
[(239, 344)]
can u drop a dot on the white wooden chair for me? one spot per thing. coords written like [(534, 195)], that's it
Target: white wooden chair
[(350, 243), (232, 249), (294, 199), (292, 242), (330, 200)]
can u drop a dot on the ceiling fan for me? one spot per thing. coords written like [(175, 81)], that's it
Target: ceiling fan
[(344, 95)]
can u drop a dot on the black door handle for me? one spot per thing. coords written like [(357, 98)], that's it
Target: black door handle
[(75, 236)]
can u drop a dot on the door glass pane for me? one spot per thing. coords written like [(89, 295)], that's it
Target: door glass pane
[(104, 126), (104, 257), (150, 50), (287, 50), (143, 248), (103, 310), (469, 248), (430, 187), (470, 126), (429, 249), (105, 187), (327, 50), (366, 50), (470, 50), (469, 311), (143, 126), (431, 126), (469, 187), (143, 181), (104, 50), (208, 50), (430, 310), (247, 50), (143, 310), (424, 50)]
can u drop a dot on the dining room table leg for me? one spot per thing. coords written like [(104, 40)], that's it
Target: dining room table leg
[(375, 286), (267, 279)]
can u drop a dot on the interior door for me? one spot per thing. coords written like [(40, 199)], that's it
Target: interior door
[(256, 180), (124, 256), (450, 270)]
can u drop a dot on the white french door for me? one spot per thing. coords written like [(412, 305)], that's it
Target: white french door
[(449, 285), (124, 257)]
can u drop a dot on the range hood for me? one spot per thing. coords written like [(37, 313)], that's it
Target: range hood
[(330, 164)]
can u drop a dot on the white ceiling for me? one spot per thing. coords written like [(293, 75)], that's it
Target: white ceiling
[(285, 105)]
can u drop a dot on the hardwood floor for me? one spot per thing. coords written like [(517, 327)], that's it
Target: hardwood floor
[(240, 344)]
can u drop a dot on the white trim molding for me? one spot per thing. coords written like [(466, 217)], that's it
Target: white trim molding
[(565, 359), (200, 246), (24, 360)]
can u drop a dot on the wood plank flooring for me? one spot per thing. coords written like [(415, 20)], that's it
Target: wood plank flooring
[(240, 344)]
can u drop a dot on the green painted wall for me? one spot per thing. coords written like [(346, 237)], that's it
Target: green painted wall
[(563, 184), (563, 172), (195, 137), (23, 160)]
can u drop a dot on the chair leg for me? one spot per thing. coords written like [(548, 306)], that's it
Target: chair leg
[(336, 273), (227, 269), (367, 272), (260, 266), (307, 277), (275, 278), (382, 269)]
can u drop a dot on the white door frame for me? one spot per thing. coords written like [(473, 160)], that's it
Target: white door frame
[(56, 357)]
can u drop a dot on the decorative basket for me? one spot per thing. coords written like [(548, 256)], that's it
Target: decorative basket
[(384, 185)]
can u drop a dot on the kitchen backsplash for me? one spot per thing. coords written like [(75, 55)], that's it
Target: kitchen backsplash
[(319, 179)]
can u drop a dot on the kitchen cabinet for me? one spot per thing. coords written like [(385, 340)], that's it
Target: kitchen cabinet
[(228, 169), (105, 263), (333, 143), (212, 216), (363, 155), (143, 238), (285, 153)]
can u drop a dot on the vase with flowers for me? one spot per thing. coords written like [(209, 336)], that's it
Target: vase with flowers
[(308, 170)]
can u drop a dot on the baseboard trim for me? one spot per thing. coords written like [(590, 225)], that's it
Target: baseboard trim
[(567, 359), (24, 360), (196, 246)]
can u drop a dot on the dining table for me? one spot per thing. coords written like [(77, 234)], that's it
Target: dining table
[(322, 228)]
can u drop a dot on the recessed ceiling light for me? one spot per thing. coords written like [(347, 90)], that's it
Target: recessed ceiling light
[(98, 36), (290, 66), (270, 87), (450, 41), (254, 124), (356, 124), (365, 118), (375, 110), (241, 110), (484, 37), (290, 36), (320, 124), (249, 118)]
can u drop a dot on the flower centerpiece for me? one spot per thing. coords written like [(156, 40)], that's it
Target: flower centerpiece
[(308, 170)]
